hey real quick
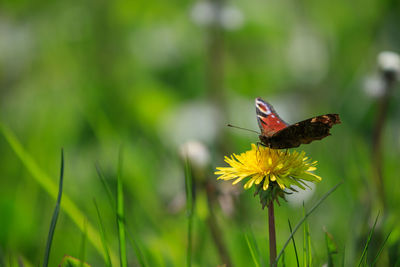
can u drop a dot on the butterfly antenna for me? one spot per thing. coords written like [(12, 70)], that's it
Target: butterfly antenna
[(233, 126)]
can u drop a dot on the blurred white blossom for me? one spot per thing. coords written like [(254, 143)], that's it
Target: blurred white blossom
[(207, 13), (231, 18), (158, 46), (227, 196), (307, 56), (202, 13), (16, 46), (374, 86), (196, 152), (192, 121)]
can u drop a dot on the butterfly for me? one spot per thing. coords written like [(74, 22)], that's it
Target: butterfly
[(277, 134)]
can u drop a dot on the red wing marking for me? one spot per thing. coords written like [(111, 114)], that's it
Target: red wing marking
[(267, 118)]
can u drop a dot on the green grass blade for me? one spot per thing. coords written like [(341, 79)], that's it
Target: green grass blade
[(344, 256), (103, 236), (397, 263), (51, 188), (139, 255), (82, 253), (69, 261), (327, 194), (105, 185), (310, 259), (294, 245), (307, 242), (189, 210), (121, 215), (305, 262), (2, 257), (55, 214), (368, 241), (255, 255), (381, 249), (331, 247)]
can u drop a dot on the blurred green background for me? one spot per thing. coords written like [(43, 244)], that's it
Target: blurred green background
[(150, 76)]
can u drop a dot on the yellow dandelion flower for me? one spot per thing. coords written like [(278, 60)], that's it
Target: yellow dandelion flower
[(263, 167)]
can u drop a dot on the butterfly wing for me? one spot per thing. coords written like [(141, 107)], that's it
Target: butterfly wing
[(267, 118), (303, 132)]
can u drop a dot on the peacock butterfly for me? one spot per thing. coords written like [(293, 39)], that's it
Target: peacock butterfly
[(277, 134)]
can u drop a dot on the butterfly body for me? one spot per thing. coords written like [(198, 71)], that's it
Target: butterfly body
[(277, 134)]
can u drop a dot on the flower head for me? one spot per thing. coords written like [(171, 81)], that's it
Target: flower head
[(271, 170)]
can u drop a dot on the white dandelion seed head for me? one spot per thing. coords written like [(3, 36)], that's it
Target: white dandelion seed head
[(389, 62)]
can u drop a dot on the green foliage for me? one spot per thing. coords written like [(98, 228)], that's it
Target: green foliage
[(121, 215), (89, 76), (189, 210), (363, 258), (252, 245), (44, 181), (331, 248), (380, 250), (103, 237), (55, 214), (294, 244), (307, 254), (267, 196), (69, 261), (306, 240)]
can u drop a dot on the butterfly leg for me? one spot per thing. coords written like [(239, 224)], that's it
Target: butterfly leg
[(260, 144), (258, 147)]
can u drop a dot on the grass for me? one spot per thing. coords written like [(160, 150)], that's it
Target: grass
[(82, 253), (381, 249), (120, 223), (253, 248), (121, 215), (294, 244), (189, 211), (367, 243), (307, 255), (50, 187), (89, 76), (101, 244), (331, 248), (55, 214), (103, 236), (313, 208)]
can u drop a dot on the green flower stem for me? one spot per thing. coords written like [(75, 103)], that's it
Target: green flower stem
[(189, 211), (390, 80), (272, 235)]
